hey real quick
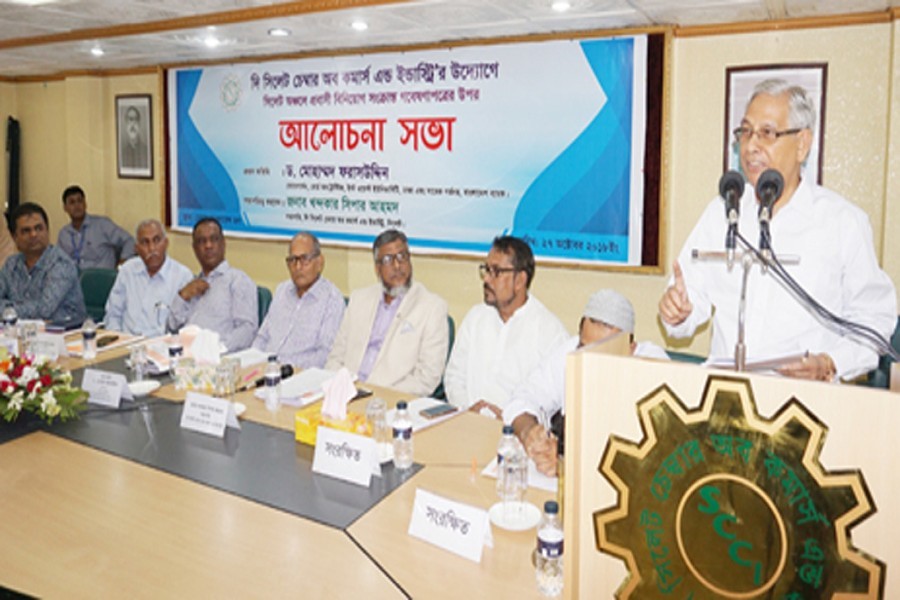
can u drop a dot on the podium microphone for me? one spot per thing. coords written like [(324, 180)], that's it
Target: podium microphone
[(731, 188), (286, 371), (769, 187)]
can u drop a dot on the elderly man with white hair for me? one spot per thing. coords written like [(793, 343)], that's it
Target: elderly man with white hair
[(539, 397)]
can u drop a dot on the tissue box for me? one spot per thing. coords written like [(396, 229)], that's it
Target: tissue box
[(308, 419)]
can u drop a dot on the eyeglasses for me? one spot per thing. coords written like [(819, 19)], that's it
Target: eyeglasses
[(303, 259), (766, 134), (494, 271), (401, 258)]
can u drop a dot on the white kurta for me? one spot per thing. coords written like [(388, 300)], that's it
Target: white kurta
[(837, 267)]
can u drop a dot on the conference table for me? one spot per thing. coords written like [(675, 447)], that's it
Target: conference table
[(125, 503)]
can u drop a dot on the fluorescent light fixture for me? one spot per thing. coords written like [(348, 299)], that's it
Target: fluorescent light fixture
[(279, 32), (561, 6), (211, 41), (359, 25), (97, 51), (32, 2)]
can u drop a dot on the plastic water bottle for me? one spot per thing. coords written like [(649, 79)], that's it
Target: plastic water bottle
[(89, 339), (549, 559), (403, 442), (10, 319), (273, 383), (512, 467)]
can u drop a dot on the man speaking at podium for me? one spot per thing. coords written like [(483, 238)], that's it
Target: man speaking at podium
[(831, 237)]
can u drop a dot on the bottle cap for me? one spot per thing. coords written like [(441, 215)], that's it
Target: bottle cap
[(273, 358), (551, 507), (402, 405), (507, 430)]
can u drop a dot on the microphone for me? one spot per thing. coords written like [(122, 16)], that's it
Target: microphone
[(731, 188), (286, 371), (769, 187)]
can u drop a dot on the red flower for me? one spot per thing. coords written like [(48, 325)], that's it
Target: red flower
[(46, 380)]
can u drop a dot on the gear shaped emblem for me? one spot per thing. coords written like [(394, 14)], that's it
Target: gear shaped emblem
[(720, 503)]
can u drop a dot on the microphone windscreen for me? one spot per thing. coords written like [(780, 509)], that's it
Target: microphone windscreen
[(733, 182), (769, 186)]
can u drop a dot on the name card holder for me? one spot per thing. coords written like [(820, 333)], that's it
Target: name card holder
[(105, 387), (208, 415), (51, 345), (345, 456), (460, 528)]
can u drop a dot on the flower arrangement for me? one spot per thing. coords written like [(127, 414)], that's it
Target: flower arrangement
[(38, 387)]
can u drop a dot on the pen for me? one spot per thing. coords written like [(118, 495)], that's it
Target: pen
[(251, 375)]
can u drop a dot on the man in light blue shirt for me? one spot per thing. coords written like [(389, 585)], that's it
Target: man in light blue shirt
[(146, 285), (93, 242), (40, 282), (306, 311), (221, 298)]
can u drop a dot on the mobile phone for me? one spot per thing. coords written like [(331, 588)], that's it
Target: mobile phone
[(362, 393), (106, 340), (438, 411)]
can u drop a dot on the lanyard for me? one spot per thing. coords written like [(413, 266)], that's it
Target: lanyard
[(76, 248)]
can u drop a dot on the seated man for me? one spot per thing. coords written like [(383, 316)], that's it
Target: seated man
[(393, 333), (40, 282), (221, 298), (146, 285), (543, 393), (501, 341), (306, 311), (93, 242)]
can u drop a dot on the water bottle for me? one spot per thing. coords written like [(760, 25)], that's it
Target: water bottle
[(89, 339), (512, 468), (10, 319), (403, 442), (273, 383), (549, 559)]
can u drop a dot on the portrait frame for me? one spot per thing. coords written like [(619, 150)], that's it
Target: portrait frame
[(134, 136), (739, 84)]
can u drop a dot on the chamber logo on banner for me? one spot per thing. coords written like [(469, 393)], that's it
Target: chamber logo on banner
[(231, 92), (720, 503)]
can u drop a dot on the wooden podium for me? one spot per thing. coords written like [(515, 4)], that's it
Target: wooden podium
[(723, 484)]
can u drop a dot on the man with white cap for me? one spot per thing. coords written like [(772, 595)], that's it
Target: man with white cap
[(539, 397)]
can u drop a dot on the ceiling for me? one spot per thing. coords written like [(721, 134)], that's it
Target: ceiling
[(57, 37)]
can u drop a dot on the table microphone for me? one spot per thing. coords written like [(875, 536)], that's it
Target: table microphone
[(286, 371)]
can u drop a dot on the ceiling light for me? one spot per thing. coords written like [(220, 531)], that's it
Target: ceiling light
[(32, 2), (359, 25), (279, 32), (211, 41), (561, 6), (97, 51)]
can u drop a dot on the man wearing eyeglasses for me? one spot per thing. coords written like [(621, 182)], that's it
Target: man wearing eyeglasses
[(502, 340), (393, 333), (146, 284), (306, 310), (831, 237), (220, 298)]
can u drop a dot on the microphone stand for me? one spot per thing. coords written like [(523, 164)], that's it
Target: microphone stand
[(747, 257)]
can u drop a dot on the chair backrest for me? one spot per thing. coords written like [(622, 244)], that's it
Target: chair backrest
[(264, 299), (881, 376), (439, 392), (95, 286)]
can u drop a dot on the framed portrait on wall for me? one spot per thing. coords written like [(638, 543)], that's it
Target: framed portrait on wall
[(134, 136), (739, 84)]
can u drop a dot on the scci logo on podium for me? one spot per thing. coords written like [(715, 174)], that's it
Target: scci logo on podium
[(720, 503)]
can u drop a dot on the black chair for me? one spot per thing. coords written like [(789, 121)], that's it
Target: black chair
[(439, 391), (881, 376)]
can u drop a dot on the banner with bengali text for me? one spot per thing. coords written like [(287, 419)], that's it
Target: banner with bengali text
[(542, 140)]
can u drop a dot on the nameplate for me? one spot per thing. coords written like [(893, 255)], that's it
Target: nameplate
[(459, 528), (11, 345), (345, 456), (49, 344), (208, 415), (105, 387)]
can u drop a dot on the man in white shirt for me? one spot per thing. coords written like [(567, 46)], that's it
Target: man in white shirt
[(501, 341), (543, 393), (142, 295), (831, 237)]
